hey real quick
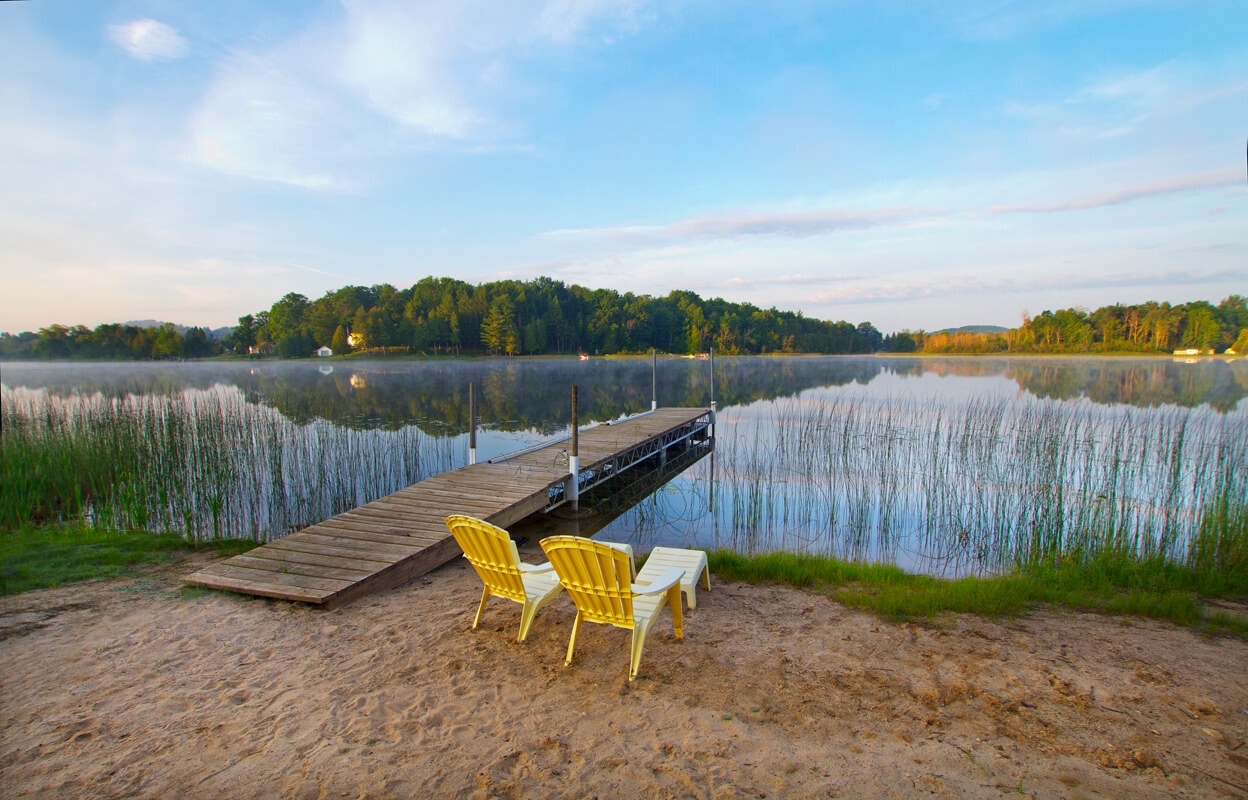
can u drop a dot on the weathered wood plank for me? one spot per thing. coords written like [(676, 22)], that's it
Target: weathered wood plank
[(234, 583), (325, 586), (306, 546), (381, 528), (299, 568), (366, 565), (350, 528), (309, 536)]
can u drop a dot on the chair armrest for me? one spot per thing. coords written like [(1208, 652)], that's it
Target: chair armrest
[(547, 567), (661, 583)]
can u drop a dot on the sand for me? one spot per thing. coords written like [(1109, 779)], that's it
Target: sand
[(133, 688)]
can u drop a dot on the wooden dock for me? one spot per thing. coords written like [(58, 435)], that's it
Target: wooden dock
[(394, 539)]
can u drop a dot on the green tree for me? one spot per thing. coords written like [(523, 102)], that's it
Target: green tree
[(243, 337), (168, 343), (286, 327), (339, 342), (498, 330), (1201, 329), (198, 345)]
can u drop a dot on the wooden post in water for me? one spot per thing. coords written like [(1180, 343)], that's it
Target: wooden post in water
[(572, 491), (654, 379), (472, 425)]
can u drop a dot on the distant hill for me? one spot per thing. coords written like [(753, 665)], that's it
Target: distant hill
[(975, 329), (213, 333)]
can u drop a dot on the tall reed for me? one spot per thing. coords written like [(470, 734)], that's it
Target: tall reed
[(203, 463), (986, 484)]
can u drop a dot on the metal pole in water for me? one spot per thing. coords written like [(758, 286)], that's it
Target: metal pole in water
[(572, 491), (654, 379), (472, 426), (712, 392)]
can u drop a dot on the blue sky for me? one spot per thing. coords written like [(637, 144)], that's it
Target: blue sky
[(912, 164)]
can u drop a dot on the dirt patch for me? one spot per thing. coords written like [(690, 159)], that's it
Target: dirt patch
[(129, 689)]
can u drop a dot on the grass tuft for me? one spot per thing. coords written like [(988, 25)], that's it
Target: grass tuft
[(1109, 583), (50, 556)]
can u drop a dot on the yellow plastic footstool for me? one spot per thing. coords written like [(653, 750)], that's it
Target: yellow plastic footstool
[(693, 562)]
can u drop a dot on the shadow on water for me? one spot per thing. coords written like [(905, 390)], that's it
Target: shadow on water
[(606, 503)]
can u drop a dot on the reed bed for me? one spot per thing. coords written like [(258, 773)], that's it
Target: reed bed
[(203, 463), (984, 485)]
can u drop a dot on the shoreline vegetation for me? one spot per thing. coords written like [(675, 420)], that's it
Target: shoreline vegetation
[(441, 316), (1131, 510), (53, 556)]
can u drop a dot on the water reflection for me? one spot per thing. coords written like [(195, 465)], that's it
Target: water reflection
[(532, 394), (941, 465)]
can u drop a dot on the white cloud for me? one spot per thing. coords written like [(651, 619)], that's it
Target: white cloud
[(266, 121), (149, 40), (787, 224), (1121, 195), (386, 78)]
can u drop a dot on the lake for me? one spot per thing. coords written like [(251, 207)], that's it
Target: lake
[(945, 466)]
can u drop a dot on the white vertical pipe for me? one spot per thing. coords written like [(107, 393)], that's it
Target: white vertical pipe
[(654, 379), (713, 406), (573, 490), (472, 426)]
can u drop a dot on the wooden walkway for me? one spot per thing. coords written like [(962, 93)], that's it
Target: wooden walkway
[(394, 539)]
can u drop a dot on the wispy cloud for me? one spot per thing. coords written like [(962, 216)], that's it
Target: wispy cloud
[(792, 225), (920, 287), (387, 78), (1118, 103), (787, 281), (1175, 185), (149, 40)]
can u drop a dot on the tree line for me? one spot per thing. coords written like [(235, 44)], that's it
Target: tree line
[(536, 317), (110, 342), (544, 316), (1144, 328)]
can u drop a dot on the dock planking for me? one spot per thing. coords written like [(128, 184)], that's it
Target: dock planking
[(403, 535)]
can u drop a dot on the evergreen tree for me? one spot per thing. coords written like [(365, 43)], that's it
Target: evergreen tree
[(339, 342)]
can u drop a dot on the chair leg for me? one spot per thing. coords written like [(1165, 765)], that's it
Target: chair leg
[(576, 628), (639, 644), (526, 619), (678, 616), (485, 595)]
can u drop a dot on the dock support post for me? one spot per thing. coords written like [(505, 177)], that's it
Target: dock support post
[(472, 425), (572, 491), (712, 392), (654, 379)]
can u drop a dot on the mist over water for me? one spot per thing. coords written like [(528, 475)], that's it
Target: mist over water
[(943, 466)]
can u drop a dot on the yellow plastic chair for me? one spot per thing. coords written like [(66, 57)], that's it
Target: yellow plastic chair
[(494, 556), (598, 577)]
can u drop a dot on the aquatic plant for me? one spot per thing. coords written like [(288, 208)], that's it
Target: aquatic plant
[(204, 463), (979, 485)]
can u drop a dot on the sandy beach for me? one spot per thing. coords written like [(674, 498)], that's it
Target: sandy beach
[(131, 688)]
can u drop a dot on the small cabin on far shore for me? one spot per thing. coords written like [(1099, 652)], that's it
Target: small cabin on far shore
[(324, 352)]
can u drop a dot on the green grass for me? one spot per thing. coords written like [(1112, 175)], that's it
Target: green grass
[(1107, 583), (44, 557)]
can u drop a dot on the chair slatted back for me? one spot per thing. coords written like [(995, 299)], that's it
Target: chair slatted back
[(492, 554), (597, 576)]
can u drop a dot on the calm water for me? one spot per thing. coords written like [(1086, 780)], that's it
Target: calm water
[(940, 465)]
